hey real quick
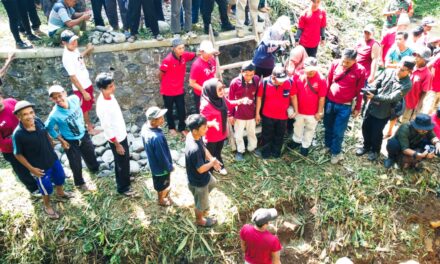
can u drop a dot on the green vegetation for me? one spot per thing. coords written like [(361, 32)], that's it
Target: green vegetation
[(426, 7)]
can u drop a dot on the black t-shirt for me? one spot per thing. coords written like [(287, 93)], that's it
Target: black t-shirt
[(195, 158), (34, 145)]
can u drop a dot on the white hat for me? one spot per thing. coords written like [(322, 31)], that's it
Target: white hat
[(55, 89), (155, 112), (207, 46)]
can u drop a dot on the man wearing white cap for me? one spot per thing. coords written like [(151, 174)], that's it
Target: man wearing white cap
[(257, 243), (158, 153), (67, 116), (33, 148), (203, 69), (368, 52), (427, 24), (73, 62)]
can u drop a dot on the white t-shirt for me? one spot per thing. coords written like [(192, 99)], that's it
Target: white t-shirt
[(74, 64), (112, 120)]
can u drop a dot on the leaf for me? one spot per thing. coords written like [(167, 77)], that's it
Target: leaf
[(182, 245), (206, 244)]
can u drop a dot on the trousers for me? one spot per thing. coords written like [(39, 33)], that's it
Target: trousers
[(335, 122), (122, 167), (179, 101), (272, 136)]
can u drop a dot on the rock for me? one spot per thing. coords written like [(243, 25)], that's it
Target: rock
[(104, 173), (118, 37), (104, 166), (143, 162), (290, 226), (163, 26), (108, 156), (175, 155), (181, 162), (344, 260), (134, 167), (137, 145), (143, 155), (99, 140), (134, 129), (100, 150), (95, 41), (99, 160), (135, 156)]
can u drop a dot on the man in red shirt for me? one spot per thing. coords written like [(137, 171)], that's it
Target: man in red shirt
[(436, 121), (8, 122), (421, 83), (310, 88), (274, 97), (203, 69), (368, 50), (257, 243), (243, 116), (311, 28), (345, 80), (432, 98), (172, 77)]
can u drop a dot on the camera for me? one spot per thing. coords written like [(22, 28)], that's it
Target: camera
[(430, 148)]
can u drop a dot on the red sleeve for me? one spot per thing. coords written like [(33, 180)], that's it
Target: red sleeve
[(260, 89), (436, 125), (243, 233), (205, 109), (276, 245), (164, 66), (410, 7), (194, 73), (330, 74), (426, 85), (359, 85), (322, 87), (189, 56), (294, 87), (302, 22), (324, 19), (232, 89)]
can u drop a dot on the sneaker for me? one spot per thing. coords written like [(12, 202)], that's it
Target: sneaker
[(32, 37), (228, 27), (132, 38), (23, 45), (223, 171), (336, 158), (304, 151), (191, 34), (39, 33), (388, 163), (159, 37), (86, 188), (129, 193), (36, 194), (239, 156), (293, 145), (361, 151), (257, 153), (240, 33), (372, 156)]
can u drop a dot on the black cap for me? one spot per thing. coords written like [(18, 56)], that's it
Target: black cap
[(279, 73), (249, 66), (417, 31), (422, 122), (409, 62)]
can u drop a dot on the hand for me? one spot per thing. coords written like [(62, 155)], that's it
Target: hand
[(246, 101), (11, 56), (437, 148), (430, 155), (421, 156), (36, 171), (89, 47), (356, 113), (65, 145), (86, 16), (120, 149), (369, 95), (370, 79), (214, 124), (231, 120), (257, 119), (286, 43), (293, 115), (86, 96), (318, 116)]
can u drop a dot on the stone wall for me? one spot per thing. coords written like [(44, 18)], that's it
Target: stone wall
[(135, 74)]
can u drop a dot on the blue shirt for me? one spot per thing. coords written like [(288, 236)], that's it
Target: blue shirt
[(70, 121), (158, 152), (264, 56), (59, 15), (395, 55)]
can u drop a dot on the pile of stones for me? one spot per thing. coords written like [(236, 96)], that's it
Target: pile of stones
[(105, 35)]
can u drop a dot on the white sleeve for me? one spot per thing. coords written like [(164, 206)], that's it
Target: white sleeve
[(105, 116), (69, 65)]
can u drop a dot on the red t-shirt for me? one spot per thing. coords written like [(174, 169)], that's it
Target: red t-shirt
[(311, 24), (308, 101), (174, 73), (202, 71), (277, 99), (349, 86), (436, 78), (8, 122), (259, 245), (364, 53), (421, 83), (387, 41), (211, 113), (436, 122)]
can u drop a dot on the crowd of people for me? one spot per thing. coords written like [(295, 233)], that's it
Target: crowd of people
[(395, 81)]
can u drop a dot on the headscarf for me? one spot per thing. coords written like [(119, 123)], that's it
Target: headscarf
[(210, 94), (297, 54)]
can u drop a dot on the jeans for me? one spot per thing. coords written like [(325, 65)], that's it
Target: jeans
[(22, 172), (372, 132), (197, 102), (134, 14), (196, 7), (215, 148), (81, 148), (179, 101), (208, 7), (176, 15), (272, 136), (122, 167), (335, 122)]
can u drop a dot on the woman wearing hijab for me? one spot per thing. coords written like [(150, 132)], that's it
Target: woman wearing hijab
[(215, 107)]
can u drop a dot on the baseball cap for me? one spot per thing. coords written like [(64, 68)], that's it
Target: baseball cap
[(423, 51), (409, 62), (155, 112), (369, 28), (280, 73), (310, 64), (55, 89), (176, 42), (207, 47), (22, 105), (249, 66), (68, 36), (428, 21), (263, 216)]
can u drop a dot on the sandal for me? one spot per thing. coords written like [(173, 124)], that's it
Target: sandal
[(66, 195), (53, 216), (129, 193), (166, 203), (209, 222)]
